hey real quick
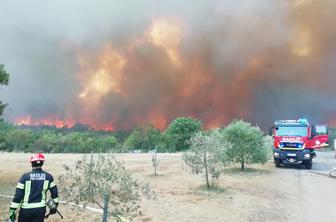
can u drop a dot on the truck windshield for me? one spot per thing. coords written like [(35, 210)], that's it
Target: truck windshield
[(291, 131)]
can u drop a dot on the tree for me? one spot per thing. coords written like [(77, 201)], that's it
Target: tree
[(5, 128), (145, 137), (247, 143), (108, 143), (207, 154), (79, 127), (103, 181), (20, 140), (4, 80), (46, 143), (181, 130), (72, 142)]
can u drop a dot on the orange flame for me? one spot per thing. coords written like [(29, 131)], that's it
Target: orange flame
[(51, 121), (101, 75), (216, 77), (167, 35), (301, 44)]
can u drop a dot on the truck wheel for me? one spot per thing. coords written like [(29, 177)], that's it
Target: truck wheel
[(309, 164), (277, 163)]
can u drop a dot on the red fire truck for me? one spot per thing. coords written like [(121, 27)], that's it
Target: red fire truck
[(295, 141)]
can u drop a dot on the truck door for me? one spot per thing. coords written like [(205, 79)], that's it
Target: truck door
[(319, 136)]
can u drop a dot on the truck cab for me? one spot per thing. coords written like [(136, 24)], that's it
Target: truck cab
[(295, 141)]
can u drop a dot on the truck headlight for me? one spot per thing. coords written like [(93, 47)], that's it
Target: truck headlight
[(307, 155), (276, 154), (317, 142)]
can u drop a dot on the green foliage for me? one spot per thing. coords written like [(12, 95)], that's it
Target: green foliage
[(47, 140), (247, 143), (83, 139), (5, 127), (207, 154), (77, 142), (121, 135), (4, 76), (180, 131), (268, 145), (20, 140), (145, 138), (46, 143), (4, 80), (100, 179)]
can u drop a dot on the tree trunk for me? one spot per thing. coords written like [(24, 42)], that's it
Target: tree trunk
[(90, 173), (105, 211), (155, 162), (242, 166), (206, 170)]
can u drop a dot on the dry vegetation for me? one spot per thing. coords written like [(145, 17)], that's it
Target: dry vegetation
[(249, 196)]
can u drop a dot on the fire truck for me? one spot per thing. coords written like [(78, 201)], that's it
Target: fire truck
[(295, 141)]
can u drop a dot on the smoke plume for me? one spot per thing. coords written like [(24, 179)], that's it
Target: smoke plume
[(117, 64)]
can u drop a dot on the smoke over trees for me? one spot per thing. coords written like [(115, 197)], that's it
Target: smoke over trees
[(115, 64)]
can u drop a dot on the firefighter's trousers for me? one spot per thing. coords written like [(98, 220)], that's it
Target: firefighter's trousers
[(32, 215)]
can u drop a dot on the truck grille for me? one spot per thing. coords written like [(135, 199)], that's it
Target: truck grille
[(291, 145)]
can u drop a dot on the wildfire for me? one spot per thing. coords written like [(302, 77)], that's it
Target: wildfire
[(105, 76), (215, 69), (301, 2), (159, 121), (302, 43), (168, 36), (29, 121), (52, 121)]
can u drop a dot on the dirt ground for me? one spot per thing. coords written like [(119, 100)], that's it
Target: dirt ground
[(261, 193)]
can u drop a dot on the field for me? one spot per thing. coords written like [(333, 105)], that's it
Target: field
[(261, 193)]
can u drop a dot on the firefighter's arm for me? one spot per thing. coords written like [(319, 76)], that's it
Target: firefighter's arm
[(19, 194), (18, 197), (53, 190)]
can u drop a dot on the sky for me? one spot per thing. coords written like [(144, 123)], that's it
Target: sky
[(117, 64)]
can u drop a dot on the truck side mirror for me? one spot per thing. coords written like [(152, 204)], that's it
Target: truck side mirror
[(270, 131)]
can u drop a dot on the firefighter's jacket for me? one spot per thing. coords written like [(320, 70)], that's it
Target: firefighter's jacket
[(32, 188)]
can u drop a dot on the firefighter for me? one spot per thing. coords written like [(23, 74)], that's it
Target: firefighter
[(31, 190)]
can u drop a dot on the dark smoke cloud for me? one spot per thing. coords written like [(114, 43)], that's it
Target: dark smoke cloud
[(258, 60)]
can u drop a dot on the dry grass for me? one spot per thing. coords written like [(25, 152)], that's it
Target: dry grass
[(247, 196)]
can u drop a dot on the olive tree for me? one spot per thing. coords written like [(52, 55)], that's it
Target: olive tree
[(247, 143), (103, 181), (206, 154)]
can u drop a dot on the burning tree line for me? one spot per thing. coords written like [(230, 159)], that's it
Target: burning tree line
[(83, 139)]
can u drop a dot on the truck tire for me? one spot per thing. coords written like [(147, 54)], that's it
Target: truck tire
[(277, 163), (309, 164)]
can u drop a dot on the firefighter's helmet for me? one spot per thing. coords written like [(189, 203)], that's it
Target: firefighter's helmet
[(37, 157)]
